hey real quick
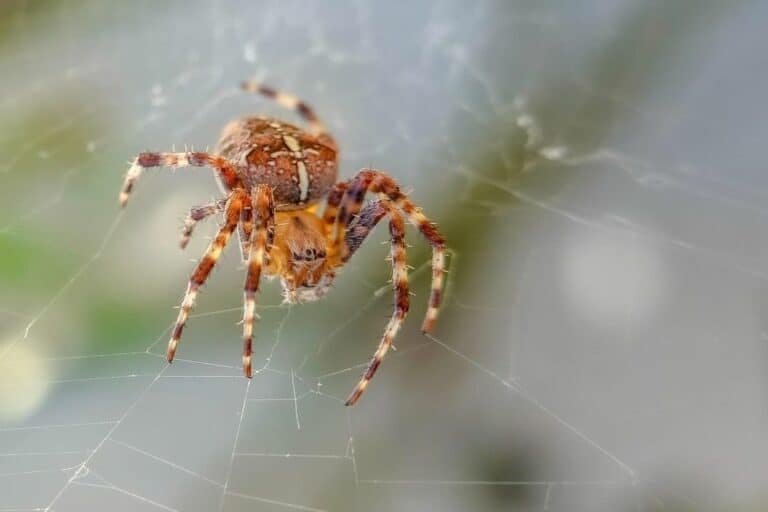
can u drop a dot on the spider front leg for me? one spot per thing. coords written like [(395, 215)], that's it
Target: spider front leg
[(367, 220), (231, 217), (223, 168), (244, 232), (331, 211), (195, 215), (379, 182), (263, 211)]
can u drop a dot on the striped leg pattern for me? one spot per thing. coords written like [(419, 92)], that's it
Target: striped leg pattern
[(195, 215), (399, 282), (224, 169), (331, 211), (363, 223), (244, 232), (231, 217), (263, 207), (291, 102), (382, 184)]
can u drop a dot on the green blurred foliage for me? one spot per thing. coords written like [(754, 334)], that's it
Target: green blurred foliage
[(120, 323), (28, 263)]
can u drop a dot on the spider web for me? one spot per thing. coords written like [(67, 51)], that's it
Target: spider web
[(596, 167)]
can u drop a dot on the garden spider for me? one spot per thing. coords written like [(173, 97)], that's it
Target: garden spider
[(274, 174)]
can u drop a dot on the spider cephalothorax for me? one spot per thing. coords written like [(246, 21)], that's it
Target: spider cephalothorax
[(274, 174)]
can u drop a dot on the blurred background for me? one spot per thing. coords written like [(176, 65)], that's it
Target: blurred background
[(598, 170)]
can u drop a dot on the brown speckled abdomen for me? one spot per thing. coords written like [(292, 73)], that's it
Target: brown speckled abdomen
[(299, 166)]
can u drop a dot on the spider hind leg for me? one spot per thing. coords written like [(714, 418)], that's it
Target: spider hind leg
[(291, 102)]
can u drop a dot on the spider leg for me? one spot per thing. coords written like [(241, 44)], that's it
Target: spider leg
[(195, 215), (362, 224), (379, 182), (288, 101), (399, 282), (223, 168), (208, 261), (263, 207), (335, 195), (244, 231)]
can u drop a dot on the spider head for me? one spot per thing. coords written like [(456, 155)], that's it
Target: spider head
[(307, 277), (300, 253)]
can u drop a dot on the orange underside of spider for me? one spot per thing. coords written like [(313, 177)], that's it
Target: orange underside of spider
[(275, 174)]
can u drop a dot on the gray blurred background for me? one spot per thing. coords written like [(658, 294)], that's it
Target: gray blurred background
[(597, 167)]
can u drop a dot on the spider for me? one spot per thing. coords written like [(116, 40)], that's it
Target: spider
[(274, 174)]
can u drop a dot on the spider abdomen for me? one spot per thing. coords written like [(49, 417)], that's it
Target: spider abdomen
[(300, 167)]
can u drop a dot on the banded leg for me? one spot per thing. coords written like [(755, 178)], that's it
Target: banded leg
[(244, 232), (331, 211), (195, 215), (223, 168), (363, 224), (382, 184), (402, 299), (263, 207), (291, 102), (208, 261)]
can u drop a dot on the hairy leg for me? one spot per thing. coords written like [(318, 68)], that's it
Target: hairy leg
[(331, 211), (362, 224), (371, 180), (195, 215), (263, 207), (245, 229), (221, 165), (208, 261), (400, 284), (291, 102)]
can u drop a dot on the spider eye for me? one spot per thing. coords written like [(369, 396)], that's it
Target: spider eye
[(308, 254)]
